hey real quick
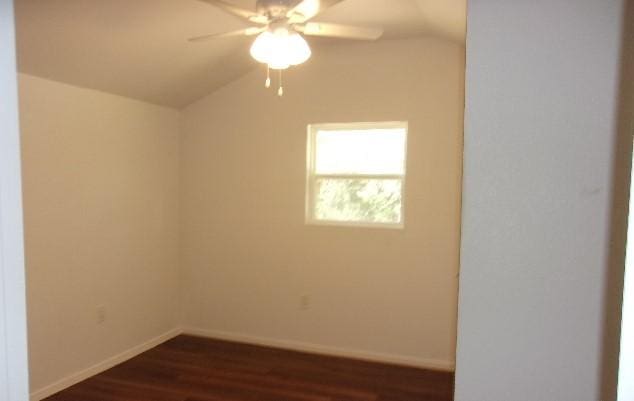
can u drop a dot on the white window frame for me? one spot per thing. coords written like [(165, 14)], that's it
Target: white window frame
[(312, 176)]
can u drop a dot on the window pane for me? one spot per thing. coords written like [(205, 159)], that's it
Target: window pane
[(372, 151), (358, 200)]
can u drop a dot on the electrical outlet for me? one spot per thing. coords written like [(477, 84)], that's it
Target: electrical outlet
[(101, 314), (304, 302)]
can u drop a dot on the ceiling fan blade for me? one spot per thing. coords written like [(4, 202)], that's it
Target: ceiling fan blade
[(340, 31), (242, 32), (237, 11), (308, 9)]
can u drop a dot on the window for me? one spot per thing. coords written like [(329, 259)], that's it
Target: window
[(356, 174)]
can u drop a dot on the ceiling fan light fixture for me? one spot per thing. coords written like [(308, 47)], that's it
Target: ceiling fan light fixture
[(280, 48), (282, 26)]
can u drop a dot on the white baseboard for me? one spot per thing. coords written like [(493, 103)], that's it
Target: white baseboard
[(432, 364), (102, 366)]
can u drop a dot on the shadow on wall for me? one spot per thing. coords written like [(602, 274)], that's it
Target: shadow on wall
[(619, 226)]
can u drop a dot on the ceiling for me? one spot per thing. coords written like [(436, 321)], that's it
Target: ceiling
[(138, 48)]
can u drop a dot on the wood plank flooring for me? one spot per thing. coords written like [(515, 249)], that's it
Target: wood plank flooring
[(196, 369)]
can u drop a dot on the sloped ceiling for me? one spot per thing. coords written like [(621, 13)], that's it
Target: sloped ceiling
[(138, 48)]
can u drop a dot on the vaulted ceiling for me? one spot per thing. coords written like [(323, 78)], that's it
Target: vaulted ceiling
[(138, 48)]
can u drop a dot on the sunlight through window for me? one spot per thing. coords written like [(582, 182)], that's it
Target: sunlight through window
[(356, 174)]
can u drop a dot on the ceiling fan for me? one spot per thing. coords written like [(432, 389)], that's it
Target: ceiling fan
[(280, 26)]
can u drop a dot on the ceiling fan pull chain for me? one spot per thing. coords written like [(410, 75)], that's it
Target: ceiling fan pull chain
[(267, 84), (280, 91)]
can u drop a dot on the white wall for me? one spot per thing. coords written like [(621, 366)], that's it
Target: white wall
[(14, 379), (101, 220), (541, 122), (248, 256)]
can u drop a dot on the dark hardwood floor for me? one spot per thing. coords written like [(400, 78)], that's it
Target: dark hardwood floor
[(196, 369)]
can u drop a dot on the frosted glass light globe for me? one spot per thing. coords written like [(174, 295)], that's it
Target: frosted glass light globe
[(280, 49), (298, 50), (261, 46)]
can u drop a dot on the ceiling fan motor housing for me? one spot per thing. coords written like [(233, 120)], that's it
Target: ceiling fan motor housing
[(274, 9)]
